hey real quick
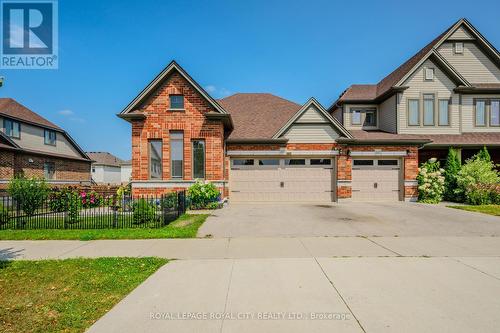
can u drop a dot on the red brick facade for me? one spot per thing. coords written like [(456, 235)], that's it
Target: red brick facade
[(160, 121), (67, 170)]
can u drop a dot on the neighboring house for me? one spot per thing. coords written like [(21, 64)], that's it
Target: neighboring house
[(260, 147), (126, 171), (448, 93), (108, 169), (33, 146)]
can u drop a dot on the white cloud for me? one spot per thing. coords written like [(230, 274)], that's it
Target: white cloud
[(70, 115), (66, 112), (210, 89), (217, 92)]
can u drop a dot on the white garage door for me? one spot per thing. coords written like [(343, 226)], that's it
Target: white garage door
[(376, 179), (279, 179)]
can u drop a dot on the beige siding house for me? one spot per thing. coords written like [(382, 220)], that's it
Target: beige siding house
[(448, 93), (32, 146)]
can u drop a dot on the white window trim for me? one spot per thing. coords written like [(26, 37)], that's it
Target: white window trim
[(458, 50), (431, 70)]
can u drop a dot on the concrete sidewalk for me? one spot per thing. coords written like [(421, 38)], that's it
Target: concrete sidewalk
[(241, 248), (371, 294), (304, 284)]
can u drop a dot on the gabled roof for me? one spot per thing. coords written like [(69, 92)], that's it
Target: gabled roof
[(258, 115), (130, 110), (12, 109), (312, 101), (391, 83), (104, 158)]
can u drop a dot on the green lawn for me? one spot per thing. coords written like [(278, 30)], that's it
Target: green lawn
[(66, 295), (185, 226), (485, 209)]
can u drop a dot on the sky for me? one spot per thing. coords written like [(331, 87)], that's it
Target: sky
[(110, 50)]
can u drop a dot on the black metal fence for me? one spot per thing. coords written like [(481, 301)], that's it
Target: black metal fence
[(72, 210)]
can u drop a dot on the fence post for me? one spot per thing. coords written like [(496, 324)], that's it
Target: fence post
[(115, 211)]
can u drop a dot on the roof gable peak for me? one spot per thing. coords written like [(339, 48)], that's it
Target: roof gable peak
[(329, 119), (167, 71)]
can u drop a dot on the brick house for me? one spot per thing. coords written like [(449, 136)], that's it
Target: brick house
[(366, 146), (33, 146)]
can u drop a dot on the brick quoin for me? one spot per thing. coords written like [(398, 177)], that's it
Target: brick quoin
[(160, 121)]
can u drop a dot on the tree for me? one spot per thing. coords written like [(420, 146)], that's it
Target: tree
[(484, 155), (451, 169)]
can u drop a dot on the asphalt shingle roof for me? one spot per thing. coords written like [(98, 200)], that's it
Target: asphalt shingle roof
[(258, 115)]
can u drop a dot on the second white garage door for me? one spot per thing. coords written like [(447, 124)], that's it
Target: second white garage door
[(376, 179), (292, 180)]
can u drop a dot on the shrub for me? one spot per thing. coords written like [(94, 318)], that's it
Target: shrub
[(143, 211), (91, 199), (430, 182), (29, 193), (452, 167), (4, 214), (59, 198), (476, 171), (74, 206), (483, 194), (169, 201), (213, 205), (201, 194), (484, 155)]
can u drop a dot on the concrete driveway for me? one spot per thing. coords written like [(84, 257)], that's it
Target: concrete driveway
[(347, 219)]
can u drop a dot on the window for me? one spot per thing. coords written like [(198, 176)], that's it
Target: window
[(321, 161), (413, 112), (269, 162), (356, 117), (176, 153), (49, 137), (365, 117), (444, 114), (495, 113), (459, 47), (480, 113), (49, 170), (198, 159), (295, 161), (242, 162), (362, 162), (176, 102), (93, 170), (429, 74), (428, 109), (387, 162), (155, 159), (12, 128), (370, 118)]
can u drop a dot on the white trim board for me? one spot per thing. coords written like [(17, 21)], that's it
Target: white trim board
[(282, 153), (171, 183), (375, 153)]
